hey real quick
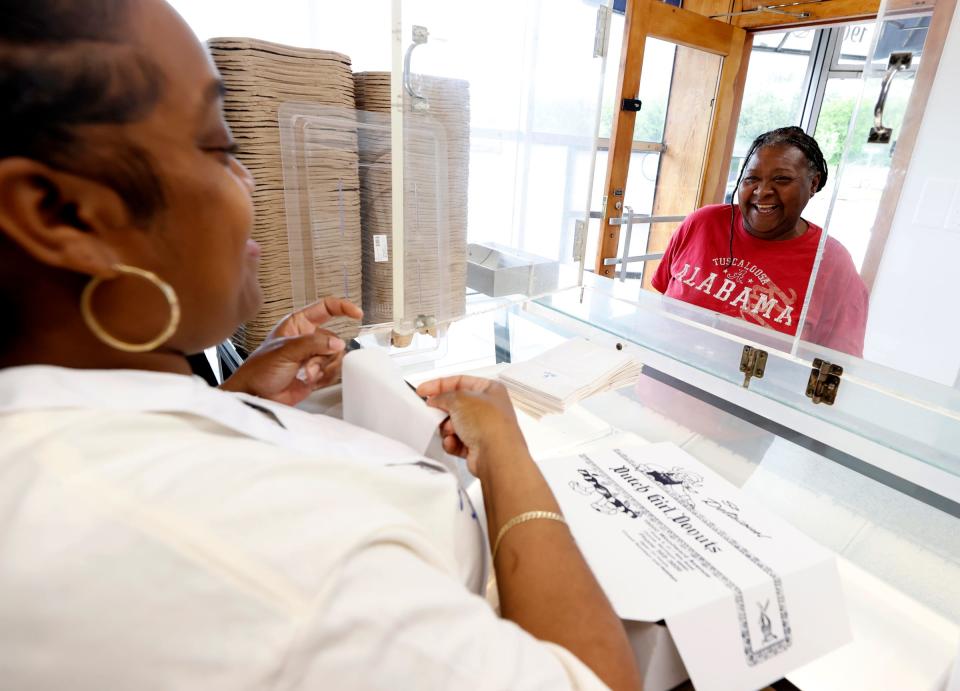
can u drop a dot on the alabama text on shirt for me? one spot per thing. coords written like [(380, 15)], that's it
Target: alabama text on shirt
[(766, 300)]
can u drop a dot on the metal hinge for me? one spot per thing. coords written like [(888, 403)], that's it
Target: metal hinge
[(753, 362), (824, 382), (602, 37)]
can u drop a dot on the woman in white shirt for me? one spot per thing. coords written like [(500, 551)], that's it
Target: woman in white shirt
[(157, 533)]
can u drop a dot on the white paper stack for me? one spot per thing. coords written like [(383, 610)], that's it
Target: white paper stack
[(323, 257), (566, 374), (437, 152)]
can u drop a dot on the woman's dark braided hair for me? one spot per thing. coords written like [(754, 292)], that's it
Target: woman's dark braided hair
[(64, 65), (784, 136), (65, 68)]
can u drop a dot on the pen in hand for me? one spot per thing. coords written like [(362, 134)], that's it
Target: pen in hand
[(414, 389)]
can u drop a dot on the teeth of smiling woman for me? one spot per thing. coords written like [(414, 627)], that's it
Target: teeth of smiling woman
[(766, 208)]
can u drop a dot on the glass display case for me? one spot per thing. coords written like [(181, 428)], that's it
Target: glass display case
[(897, 542)]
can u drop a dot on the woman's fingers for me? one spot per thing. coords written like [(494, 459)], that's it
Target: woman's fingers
[(453, 446), (309, 346), (460, 382), (446, 428), (317, 314), (329, 307), (444, 401)]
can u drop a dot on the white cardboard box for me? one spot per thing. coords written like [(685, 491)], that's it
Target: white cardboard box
[(746, 597)]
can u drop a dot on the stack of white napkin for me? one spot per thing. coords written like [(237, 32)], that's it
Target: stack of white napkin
[(566, 374)]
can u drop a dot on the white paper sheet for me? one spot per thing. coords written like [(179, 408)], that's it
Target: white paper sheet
[(376, 397), (746, 597)]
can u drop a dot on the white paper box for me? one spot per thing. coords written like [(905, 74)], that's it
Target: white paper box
[(658, 660), (746, 597)]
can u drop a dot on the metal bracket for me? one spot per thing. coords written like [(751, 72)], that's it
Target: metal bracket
[(773, 9), (628, 219), (824, 382), (631, 105), (426, 324), (420, 37), (402, 335), (628, 215), (753, 363)]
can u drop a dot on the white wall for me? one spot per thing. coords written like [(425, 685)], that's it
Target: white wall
[(914, 322)]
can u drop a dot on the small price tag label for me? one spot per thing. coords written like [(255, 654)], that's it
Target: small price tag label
[(380, 251)]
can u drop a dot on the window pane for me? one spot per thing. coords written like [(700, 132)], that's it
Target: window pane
[(360, 30), (640, 182), (864, 175), (856, 44), (654, 85), (901, 35), (786, 41)]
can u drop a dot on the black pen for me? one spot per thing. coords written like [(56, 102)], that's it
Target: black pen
[(422, 398)]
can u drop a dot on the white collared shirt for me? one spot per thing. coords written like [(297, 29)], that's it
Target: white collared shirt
[(156, 533)]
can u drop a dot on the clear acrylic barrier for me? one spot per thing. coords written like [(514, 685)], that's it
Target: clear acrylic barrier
[(910, 420), (337, 192), (323, 243), (894, 203), (533, 82)]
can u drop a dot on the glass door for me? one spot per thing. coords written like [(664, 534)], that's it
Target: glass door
[(677, 79)]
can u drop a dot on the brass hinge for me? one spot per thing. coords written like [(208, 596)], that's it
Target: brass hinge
[(824, 382), (753, 362)]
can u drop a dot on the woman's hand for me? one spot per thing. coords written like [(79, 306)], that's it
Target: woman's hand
[(482, 423), (297, 357), (545, 585), (306, 321)]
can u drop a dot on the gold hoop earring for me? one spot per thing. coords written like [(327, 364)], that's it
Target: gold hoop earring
[(86, 310)]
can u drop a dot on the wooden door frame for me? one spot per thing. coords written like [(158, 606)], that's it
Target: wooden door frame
[(653, 19)]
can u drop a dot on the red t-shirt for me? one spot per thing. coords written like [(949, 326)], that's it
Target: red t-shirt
[(767, 281)]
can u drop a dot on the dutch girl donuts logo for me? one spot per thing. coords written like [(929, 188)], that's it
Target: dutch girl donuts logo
[(689, 483), (678, 478), (605, 502)]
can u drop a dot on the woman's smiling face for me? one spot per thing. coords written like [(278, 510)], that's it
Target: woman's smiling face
[(776, 186)]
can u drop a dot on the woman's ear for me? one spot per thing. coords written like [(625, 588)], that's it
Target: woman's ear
[(59, 219), (814, 184)]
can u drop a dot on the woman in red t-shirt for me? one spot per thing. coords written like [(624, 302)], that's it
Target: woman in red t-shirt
[(753, 260)]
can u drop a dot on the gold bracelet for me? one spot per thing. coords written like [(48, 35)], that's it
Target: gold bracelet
[(523, 518)]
